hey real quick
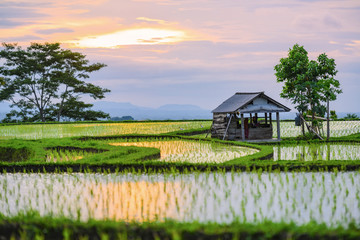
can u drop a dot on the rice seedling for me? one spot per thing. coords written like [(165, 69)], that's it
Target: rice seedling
[(54, 155)]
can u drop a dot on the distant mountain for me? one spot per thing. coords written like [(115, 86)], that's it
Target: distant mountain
[(165, 112), (179, 107)]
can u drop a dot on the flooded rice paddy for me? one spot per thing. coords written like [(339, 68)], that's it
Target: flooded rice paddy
[(193, 151), (323, 197), (337, 128), (315, 152)]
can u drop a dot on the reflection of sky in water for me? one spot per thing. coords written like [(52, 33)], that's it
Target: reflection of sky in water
[(194, 152), (311, 152), (221, 197)]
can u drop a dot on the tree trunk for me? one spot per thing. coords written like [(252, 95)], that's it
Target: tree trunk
[(62, 104), (41, 112)]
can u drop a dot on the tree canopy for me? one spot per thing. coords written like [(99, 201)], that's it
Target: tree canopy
[(308, 83), (44, 83)]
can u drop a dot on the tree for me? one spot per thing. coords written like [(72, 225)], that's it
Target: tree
[(351, 116), (123, 118), (333, 115), (308, 83), (44, 81)]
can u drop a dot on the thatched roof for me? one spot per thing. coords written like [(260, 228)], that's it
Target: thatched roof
[(244, 103)]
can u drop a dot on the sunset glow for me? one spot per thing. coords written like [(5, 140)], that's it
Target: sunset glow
[(132, 37)]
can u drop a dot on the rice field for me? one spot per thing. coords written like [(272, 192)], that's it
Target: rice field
[(323, 197), (316, 152), (193, 151), (331, 198), (39, 131), (337, 128)]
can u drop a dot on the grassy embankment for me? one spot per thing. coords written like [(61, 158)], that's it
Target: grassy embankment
[(33, 226)]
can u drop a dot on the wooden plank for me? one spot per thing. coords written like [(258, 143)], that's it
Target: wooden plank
[(310, 128), (321, 118), (228, 126)]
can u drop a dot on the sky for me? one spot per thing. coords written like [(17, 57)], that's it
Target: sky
[(200, 52)]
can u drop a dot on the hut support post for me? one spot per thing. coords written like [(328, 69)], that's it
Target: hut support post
[(278, 125), (227, 127), (328, 121), (242, 127), (266, 120)]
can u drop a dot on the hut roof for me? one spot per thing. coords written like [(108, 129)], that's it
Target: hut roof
[(243, 102)]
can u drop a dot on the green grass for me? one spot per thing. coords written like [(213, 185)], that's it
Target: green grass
[(32, 226)]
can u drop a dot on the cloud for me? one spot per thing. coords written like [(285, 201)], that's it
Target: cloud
[(132, 37), (162, 2), (6, 23), (17, 14), (227, 45), (25, 38), (159, 21), (54, 30)]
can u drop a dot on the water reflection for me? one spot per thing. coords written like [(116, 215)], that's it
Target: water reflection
[(218, 197), (313, 152)]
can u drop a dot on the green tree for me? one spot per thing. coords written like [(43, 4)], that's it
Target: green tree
[(44, 80), (333, 115), (308, 83), (351, 116)]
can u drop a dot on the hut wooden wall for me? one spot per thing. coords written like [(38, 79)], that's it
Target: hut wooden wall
[(219, 125), (261, 133), (220, 122)]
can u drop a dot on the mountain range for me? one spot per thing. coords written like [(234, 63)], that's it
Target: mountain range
[(165, 112)]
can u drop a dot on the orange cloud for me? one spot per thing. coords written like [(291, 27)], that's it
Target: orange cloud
[(137, 36), (159, 21)]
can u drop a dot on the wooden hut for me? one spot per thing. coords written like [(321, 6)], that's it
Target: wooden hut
[(246, 116)]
